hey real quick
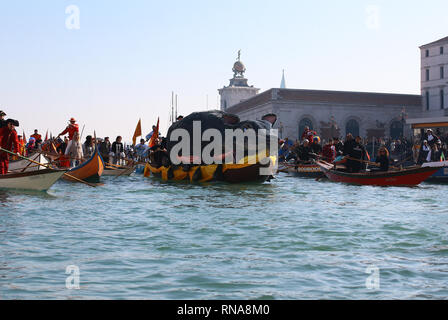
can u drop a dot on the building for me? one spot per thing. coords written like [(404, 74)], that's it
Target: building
[(434, 86), (238, 89), (330, 113)]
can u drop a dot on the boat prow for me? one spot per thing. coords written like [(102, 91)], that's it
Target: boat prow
[(89, 171), (37, 180)]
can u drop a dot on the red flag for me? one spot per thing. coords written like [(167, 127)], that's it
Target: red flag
[(137, 132), (155, 135), (24, 138), (46, 136)]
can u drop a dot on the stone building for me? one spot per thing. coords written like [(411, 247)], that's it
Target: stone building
[(330, 113)]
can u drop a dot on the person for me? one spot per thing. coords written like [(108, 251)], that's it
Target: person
[(88, 148), (431, 137), (355, 152), (117, 150), (2, 119), (74, 150), (62, 146), (329, 151), (22, 144), (382, 159), (304, 151), (316, 148), (308, 134), (37, 136), (339, 145), (283, 152), (425, 153), (179, 118), (70, 129), (105, 147), (149, 135), (142, 149), (9, 140), (31, 146)]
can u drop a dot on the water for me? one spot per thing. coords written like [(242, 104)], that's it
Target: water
[(293, 238)]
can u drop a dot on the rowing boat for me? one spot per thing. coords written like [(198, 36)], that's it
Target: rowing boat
[(37, 180), (25, 165), (405, 177), (309, 170), (89, 171), (118, 171)]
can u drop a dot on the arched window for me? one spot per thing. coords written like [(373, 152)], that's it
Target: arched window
[(396, 130), (305, 122), (352, 127)]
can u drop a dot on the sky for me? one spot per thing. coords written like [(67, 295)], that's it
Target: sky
[(108, 63)]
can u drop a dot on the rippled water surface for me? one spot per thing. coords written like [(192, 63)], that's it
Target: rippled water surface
[(292, 238)]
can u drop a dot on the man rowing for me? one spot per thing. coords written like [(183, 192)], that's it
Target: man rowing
[(9, 140), (71, 129)]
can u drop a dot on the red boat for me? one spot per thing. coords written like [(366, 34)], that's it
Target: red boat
[(405, 177)]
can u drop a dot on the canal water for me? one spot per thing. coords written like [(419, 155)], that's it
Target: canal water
[(292, 238)]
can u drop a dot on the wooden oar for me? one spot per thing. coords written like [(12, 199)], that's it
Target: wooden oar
[(48, 167), (369, 162)]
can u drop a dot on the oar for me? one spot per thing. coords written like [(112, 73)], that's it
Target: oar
[(49, 167), (121, 173), (370, 163)]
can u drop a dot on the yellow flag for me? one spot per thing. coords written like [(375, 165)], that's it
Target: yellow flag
[(138, 131)]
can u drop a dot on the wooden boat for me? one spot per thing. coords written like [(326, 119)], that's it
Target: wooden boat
[(441, 174), (89, 171), (310, 170), (18, 166), (37, 180), (118, 171), (405, 177)]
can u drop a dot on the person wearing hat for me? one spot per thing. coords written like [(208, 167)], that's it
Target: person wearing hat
[(2, 119), (431, 137), (9, 140), (71, 129)]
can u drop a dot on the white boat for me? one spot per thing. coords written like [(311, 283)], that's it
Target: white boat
[(121, 171), (23, 165), (37, 180)]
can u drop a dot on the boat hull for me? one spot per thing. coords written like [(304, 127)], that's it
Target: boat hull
[(441, 175), (305, 170), (89, 171), (407, 177), (37, 180)]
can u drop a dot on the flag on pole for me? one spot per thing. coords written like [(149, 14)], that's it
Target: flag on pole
[(155, 135), (46, 136), (24, 138), (138, 132)]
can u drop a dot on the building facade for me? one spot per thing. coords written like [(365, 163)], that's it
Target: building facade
[(333, 113)]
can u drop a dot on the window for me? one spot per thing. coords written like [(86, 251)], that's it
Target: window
[(442, 99), (427, 53), (441, 50), (352, 127), (442, 72), (427, 100), (427, 74)]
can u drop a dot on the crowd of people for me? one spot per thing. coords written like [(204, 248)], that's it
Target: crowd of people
[(355, 152)]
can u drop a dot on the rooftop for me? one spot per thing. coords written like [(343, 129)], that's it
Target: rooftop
[(440, 41), (324, 96)]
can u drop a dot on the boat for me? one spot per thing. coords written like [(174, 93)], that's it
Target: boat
[(255, 162), (17, 166), (37, 180), (441, 174), (118, 171), (308, 170), (231, 173), (90, 170), (406, 177)]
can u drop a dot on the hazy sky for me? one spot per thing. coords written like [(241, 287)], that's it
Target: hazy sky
[(127, 56)]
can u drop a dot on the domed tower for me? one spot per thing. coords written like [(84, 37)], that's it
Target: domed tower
[(238, 89)]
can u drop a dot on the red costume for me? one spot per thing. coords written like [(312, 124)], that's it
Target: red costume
[(329, 152), (9, 141), (308, 134), (71, 129), (36, 136)]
